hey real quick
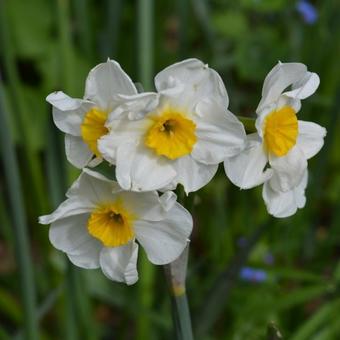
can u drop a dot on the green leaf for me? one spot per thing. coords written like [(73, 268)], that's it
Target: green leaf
[(322, 316), (231, 24), (264, 5)]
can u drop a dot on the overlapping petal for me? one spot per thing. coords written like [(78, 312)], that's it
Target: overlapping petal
[(284, 204), (120, 263), (219, 133), (148, 205), (193, 175), (71, 207), (105, 81), (278, 79), (93, 187), (70, 235), (68, 113), (247, 169), (139, 169), (288, 169), (195, 80), (123, 131), (162, 240), (311, 138), (77, 152)]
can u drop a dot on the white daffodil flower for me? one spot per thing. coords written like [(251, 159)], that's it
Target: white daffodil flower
[(282, 141), (177, 135), (83, 120), (99, 223)]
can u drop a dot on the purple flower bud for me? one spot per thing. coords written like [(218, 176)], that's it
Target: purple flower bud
[(253, 275), (308, 11)]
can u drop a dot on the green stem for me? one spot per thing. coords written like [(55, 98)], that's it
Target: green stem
[(113, 23), (23, 118), (145, 10), (21, 240), (175, 274), (249, 123), (66, 47), (145, 42), (57, 184)]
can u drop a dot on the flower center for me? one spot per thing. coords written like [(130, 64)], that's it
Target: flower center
[(112, 224), (172, 134), (93, 127), (280, 131)]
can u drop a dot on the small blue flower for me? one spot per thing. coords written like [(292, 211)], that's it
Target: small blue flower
[(253, 275), (308, 11)]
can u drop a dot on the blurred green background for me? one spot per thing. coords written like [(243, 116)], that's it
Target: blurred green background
[(249, 275)]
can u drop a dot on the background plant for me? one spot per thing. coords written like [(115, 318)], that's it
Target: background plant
[(257, 270)]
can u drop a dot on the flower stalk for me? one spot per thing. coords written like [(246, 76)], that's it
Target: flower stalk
[(175, 274), (249, 123), (21, 240)]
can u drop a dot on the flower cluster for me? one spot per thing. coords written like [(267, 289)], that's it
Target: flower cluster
[(157, 140)]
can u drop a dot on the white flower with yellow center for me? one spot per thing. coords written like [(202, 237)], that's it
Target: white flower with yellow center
[(99, 223), (178, 135), (282, 141), (83, 120)]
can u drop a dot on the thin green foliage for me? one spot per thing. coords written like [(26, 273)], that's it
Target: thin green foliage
[(47, 46), (20, 230)]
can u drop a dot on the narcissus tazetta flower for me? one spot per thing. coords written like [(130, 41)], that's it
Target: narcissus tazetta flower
[(177, 135), (282, 141), (83, 120), (99, 223)]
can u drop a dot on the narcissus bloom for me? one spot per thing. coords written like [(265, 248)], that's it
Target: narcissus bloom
[(99, 223), (177, 135), (83, 120), (277, 154)]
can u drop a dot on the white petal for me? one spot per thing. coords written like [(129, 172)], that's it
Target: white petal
[(122, 131), (285, 204), (288, 169), (284, 100), (219, 133), (93, 187), (133, 107), (68, 113), (192, 174), (196, 81), (71, 236), (246, 170), (77, 152), (278, 79), (261, 116), (70, 207), (148, 205), (304, 87), (167, 200), (165, 240), (94, 162), (105, 81), (140, 169), (310, 139), (120, 263)]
